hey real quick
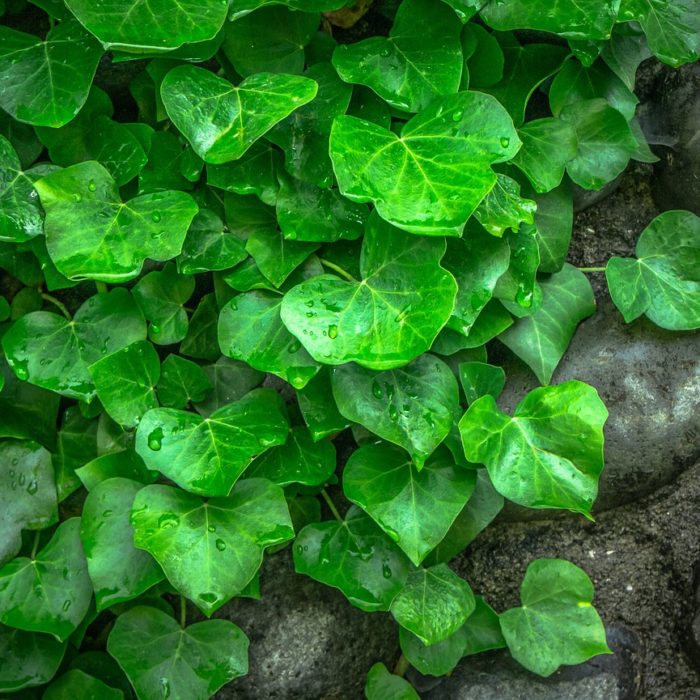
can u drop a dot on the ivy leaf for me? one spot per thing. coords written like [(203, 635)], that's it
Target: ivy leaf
[(45, 83), (503, 208), (299, 461), (482, 630), (519, 283), (382, 685), (181, 382), (205, 108), (663, 281), (231, 381), (554, 224), (200, 341), (418, 62), (413, 406), (415, 508), (556, 624), (171, 661), (437, 659), (250, 329), (136, 26), (585, 19), (77, 445), (541, 340), (239, 8), (387, 319), (483, 56), (319, 409), (433, 604), (51, 592), (76, 683), (119, 571), (27, 493), (275, 256), (92, 234), (210, 550), (29, 659), (548, 145), (125, 464), (125, 382), (430, 179), (549, 454), (48, 350), (207, 455), (479, 379), (355, 557), (161, 295)]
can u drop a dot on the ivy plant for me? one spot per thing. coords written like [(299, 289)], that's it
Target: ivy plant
[(254, 265)]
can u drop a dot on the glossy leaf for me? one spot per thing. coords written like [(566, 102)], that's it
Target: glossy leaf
[(75, 683), (663, 281), (181, 382), (549, 454), (436, 659), (556, 624), (430, 179), (479, 379), (205, 108), (123, 464), (200, 341), (29, 659), (382, 685), (231, 381), (318, 408), (210, 550), (503, 208)]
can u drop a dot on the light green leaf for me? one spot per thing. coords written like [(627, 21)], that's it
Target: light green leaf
[(413, 406), (433, 604), (210, 549), (207, 455), (181, 382), (430, 179), (51, 592), (556, 624), (386, 320), (503, 208), (554, 223), (45, 83), (29, 659), (415, 508), (92, 234), (77, 684), (382, 685), (663, 282), (549, 454), (171, 661), (479, 379), (206, 108), (48, 350)]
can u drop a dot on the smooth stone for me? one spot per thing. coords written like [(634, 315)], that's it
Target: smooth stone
[(649, 379)]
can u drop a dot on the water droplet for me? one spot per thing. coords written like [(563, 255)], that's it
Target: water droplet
[(220, 545), (294, 346), (211, 528), (386, 571), (32, 487), (168, 520), (376, 390), (333, 331), (505, 142), (92, 186), (14, 462), (523, 297), (209, 597), (393, 412), (21, 373), (457, 116), (309, 303), (66, 605), (77, 197), (154, 439), (155, 216), (106, 513), (299, 549), (165, 685)]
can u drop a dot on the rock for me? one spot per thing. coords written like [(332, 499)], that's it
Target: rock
[(693, 642), (306, 641), (649, 379), (497, 677)]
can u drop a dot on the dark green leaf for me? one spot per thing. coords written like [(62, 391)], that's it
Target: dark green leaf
[(382, 685), (125, 464), (29, 659), (201, 341), (77, 684), (479, 379), (182, 382), (231, 380), (319, 409)]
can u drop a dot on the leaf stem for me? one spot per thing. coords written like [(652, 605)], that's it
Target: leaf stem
[(336, 268), (183, 612), (331, 505), (58, 304), (592, 269), (35, 546), (402, 666), (101, 287)]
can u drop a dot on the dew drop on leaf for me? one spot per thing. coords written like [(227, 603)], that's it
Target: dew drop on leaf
[(377, 390), (32, 487), (333, 331), (92, 186), (168, 520), (155, 216), (220, 545), (505, 141), (66, 605), (154, 439)]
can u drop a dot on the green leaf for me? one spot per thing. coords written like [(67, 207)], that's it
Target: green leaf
[(386, 320), (231, 380), (556, 624), (45, 83), (503, 208), (430, 179), (417, 63), (541, 340), (479, 379), (415, 508), (51, 592), (303, 136), (382, 685), (205, 108), (210, 549), (482, 631), (437, 659), (483, 55), (27, 493), (549, 454), (319, 409), (624, 52), (29, 659), (272, 39), (207, 455), (125, 382), (76, 683), (201, 341), (583, 19), (181, 382), (125, 464), (299, 461), (413, 406), (48, 350), (239, 8), (22, 137), (163, 171), (171, 661), (138, 26), (605, 143), (519, 283), (119, 571), (663, 281), (92, 234), (433, 604), (554, 224), (548, 145), (356, 557), (250, 329), (161, 296), (77, 445)]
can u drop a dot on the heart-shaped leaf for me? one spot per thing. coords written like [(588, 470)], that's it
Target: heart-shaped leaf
[(382, 685), (210, 549), (75, 683), (182, 382), (29, 659)]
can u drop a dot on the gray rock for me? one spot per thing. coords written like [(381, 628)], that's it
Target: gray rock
[(497, 677), (649, 379), (306, 641)]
